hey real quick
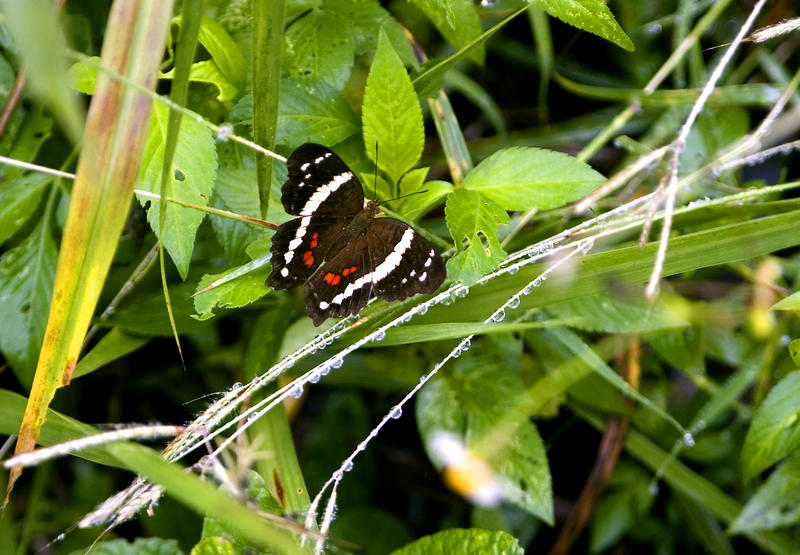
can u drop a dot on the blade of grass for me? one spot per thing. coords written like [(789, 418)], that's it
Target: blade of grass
[(103, 189)]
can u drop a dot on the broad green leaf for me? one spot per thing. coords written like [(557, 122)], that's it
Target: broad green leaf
[(604, 313), (474, 219), (458, 21), (36, 128), (776, 503), (115, 344), (682, 348), (18, 199), (207, 71), (319, 47), (391, 114), (792, 302), (140, 546), (470, 403), (590, 15), (364, 20), (522, 178), (196, 159), (27, 274), (470, 540), (416, 206), (313, 109), (223, 50), (233, 294), (775, 430)]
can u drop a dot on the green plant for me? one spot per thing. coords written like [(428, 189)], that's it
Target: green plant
[(560, 313)]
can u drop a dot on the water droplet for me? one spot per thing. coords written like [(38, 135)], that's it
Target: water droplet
[(348, 466), (289, 363), (653, 489), (337, 362), (423, 308), (487, 3), (483, 281), (466, 344), (688, 439), (456, 352), (652, 29), (514, 302), (225, 130), (314, 377), (380, 335), (785, 340), (362, 446), (313, 351), (236, 385), (338, 475), (296, 392), (397, 412), (527, 290), (60, 537), (447, 301), (325, 370), (513, 270), (499, 316)]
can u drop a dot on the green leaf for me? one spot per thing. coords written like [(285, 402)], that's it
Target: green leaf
[(458, 21), (216, 545), (196, 158), (313, 109), (794, 351), (775, 430), (364, 20), (115, 344), (83, 76), (27, 275), (469, 540), (522, 178), (18, 199), (236, 293), (36, 128), (141, 546), (224, 51), (604, 313), (774, 504), (319, 47), (207, 71), (471, 403), (391, 114), (590, 15), (792, 302), (416, 206), (474, 219), (236, 190)]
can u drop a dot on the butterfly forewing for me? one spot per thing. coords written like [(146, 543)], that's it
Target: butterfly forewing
[(342, 286), (298, 248), (320, 184), (404, 262)]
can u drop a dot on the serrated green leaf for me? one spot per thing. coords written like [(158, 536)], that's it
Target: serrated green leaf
[(416, 206), (391, 114), (115, 344), (27, 274), (457, 21), (590, 15), (522, 178), (319, 47), (469, 540), (141, 546), (364, 20), (207, 71), (776, 503), (18, 199), (775, 430), (604, 313), (311, 109), (196, 158), (474, 219), (233, 294), (471, 403)]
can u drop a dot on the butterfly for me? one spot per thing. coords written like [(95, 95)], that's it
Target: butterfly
[(337, 246)]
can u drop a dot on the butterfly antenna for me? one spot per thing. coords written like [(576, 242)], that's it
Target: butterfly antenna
[(375, 182)]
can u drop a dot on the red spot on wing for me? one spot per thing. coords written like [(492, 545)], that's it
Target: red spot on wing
[(314, 240), (336, 280), (308, 258), (348, 271)]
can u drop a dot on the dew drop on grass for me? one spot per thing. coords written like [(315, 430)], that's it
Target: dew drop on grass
[(514, 302), (337, 362), (236, 386), (423, 308), (348, 466), (296, 392), (380, 335), (653, 489), (362, 446), (338, 475), (499, 316), (314, 377), (513, 270), (466, 344), (397, 412), (688, 439)]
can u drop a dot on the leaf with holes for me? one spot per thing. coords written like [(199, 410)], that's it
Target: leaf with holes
[(473, 219)]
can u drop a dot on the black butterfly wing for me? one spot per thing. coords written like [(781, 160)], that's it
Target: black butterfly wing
[(320, 184), (404, 262), (298, 248), (343, 285)]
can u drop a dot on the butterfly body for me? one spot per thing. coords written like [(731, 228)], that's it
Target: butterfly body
[(338, 247)]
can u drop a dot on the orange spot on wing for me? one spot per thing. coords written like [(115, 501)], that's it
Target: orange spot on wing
[(314, 240), (328, 278), (348, 271), (308, 258), (336, 280)]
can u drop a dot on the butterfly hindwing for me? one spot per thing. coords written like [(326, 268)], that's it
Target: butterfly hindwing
[(298, 248), (320, 184), (343, 285), (404, 262)]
